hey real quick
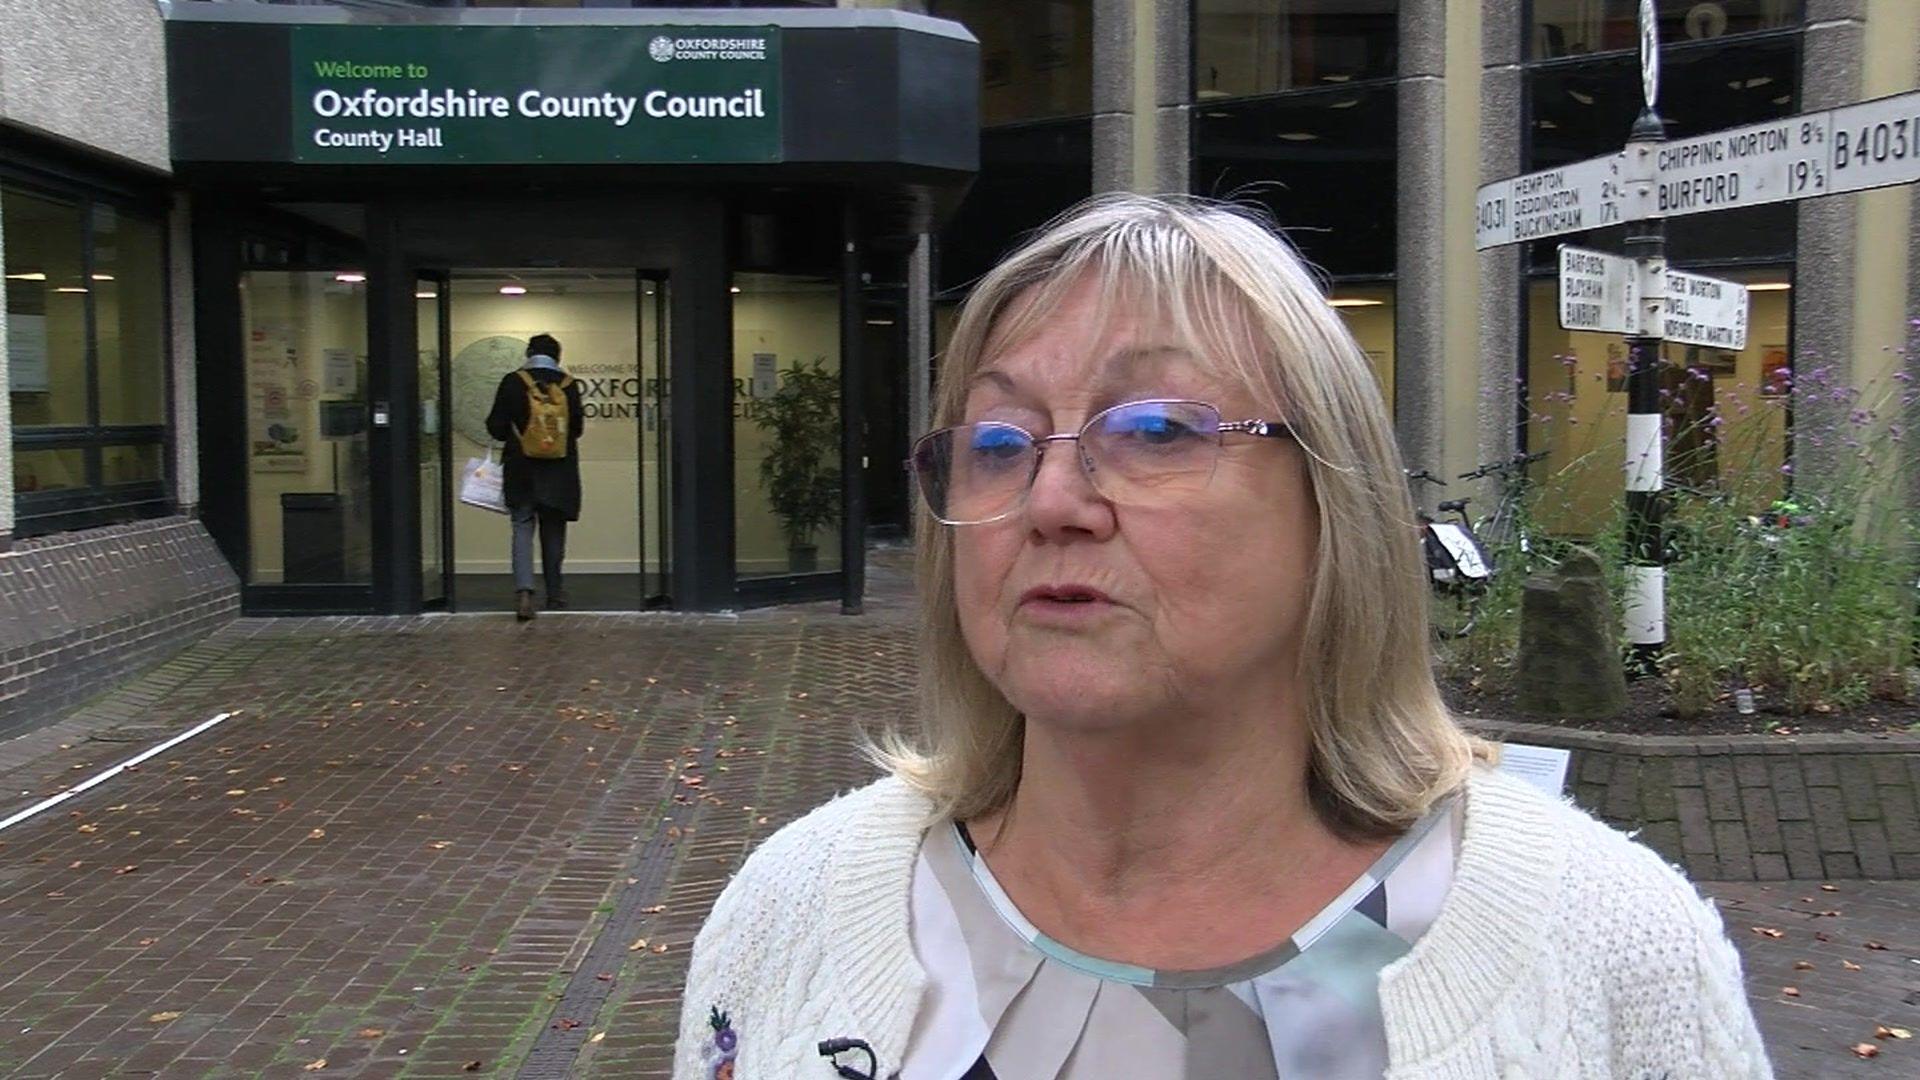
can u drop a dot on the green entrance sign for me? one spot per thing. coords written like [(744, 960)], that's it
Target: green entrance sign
[(536, 94)]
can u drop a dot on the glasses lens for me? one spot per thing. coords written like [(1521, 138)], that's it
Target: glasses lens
[(1149, 448), (974, 472)]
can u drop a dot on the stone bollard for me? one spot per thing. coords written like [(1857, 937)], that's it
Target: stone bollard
[(1569, 648)]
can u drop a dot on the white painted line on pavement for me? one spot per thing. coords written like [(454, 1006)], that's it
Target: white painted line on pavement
[(56, 800)]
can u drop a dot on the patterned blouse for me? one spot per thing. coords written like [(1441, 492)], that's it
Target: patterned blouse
[(1005, 1001)]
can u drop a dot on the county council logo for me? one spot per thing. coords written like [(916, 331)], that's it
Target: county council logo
[(661, 49)]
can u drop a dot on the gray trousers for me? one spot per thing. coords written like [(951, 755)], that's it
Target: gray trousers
[(553, 546)]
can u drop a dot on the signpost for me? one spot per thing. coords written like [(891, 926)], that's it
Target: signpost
[(1832, 152)]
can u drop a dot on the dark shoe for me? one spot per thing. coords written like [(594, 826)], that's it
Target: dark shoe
[(557, 601), (523, 604)]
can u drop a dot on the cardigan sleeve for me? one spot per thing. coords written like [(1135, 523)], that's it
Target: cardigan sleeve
[(1730, 1043), (697, 1050)]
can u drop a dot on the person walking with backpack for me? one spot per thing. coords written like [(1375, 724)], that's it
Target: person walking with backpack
[(537, 414)]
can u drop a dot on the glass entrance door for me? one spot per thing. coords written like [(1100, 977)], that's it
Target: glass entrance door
[(611, 325)]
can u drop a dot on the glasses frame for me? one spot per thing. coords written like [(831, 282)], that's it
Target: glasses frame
[(1264, 429)]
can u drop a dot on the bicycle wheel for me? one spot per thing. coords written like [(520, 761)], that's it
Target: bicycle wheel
[(1453, 612)]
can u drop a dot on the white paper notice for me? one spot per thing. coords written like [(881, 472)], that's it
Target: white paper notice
[(1545, 767)]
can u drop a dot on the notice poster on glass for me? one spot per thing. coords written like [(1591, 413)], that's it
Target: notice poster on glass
[(766, 377), (276, 440), (27, 354), (342, 377)]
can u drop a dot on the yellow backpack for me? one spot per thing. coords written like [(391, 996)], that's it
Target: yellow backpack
[(549, 418)]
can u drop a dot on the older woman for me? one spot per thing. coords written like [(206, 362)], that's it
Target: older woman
[(1184, 801)]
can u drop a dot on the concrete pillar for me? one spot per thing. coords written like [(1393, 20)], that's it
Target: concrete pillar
[(1502, 150), (1824, 293), (1142, 73), (6, 418), (1420, 225), (184, 415)]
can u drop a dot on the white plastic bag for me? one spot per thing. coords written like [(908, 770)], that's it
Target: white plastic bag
[(484, 483)]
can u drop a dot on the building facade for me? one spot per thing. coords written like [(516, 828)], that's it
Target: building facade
[(245, 354)]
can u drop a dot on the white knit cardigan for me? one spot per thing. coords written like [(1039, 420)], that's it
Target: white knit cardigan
[(1563, 950)]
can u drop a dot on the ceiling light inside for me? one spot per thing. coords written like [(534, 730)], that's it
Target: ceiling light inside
[(352, 277), (513, 290), (26, 277), (1299, 136), (1355, 301), (1769, 286)]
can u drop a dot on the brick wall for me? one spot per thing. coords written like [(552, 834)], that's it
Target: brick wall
[(1751, 807), (80, 611)]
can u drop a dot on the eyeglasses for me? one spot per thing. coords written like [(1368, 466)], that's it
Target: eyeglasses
[(1140, 452)]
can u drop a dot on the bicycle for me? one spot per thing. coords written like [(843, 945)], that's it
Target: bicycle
[(1506, 529), (1457, 565)]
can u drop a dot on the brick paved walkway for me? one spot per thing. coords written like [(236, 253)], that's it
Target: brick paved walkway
[(432, 846)]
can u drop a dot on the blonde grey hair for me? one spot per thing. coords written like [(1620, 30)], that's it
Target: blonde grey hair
[(1237, 298)]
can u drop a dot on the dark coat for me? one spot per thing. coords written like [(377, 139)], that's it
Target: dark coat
[(554, 484)]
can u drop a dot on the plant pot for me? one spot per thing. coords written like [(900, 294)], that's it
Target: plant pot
[(803, 558)]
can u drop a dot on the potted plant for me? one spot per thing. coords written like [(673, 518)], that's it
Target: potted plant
[(800, 472)]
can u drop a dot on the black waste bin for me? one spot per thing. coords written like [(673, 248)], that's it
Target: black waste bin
[(313, 537)]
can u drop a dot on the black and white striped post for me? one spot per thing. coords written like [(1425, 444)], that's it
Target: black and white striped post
[(1645, 607)]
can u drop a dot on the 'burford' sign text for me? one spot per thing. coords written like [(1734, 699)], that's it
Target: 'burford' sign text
[(539, 94)]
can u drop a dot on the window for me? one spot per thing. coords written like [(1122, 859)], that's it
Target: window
[(86, 355), (1725, 418), (786, 424), (1585, 109), (1322, 161), (1246, 47), (1725, 412), (1036, 56), (1576, 27), (1028, 174)]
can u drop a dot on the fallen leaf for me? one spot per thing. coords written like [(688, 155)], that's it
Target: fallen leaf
[(1766, 931), (162, 1017), (638, 945), (1850, 965), (146, 941), (315, 1065), (126, 870), (659, 948), (1803, 965), (605, 976), (1790, 991), (1884, 1032), (89, 828), (1876, 946), (316, 834), (1822, 935), (471, 1066), (1866, 1050), (441, 845), (597, 1036), (654, 910), (565, 1023), (372, 1032), (1829, 888)]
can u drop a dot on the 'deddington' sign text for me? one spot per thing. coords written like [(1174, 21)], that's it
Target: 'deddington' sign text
[(535, 94)]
